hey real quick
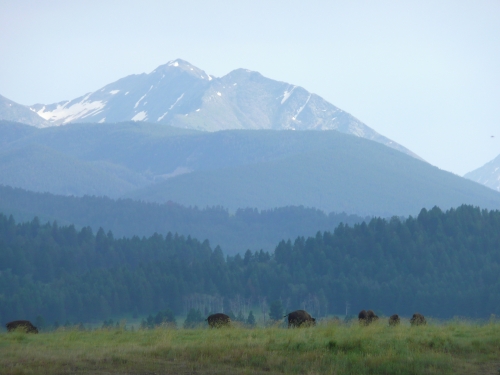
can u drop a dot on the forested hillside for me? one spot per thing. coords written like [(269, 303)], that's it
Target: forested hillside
[(263, 169), (235, 232), (440, 263)]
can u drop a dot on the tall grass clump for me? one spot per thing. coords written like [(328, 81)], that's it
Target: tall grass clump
[(454, 347)]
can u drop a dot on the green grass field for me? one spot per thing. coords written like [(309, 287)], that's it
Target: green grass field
[(454, 347)]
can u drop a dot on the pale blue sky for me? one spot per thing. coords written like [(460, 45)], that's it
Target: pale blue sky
[(423, 73)]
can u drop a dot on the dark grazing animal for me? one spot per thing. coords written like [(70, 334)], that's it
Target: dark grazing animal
[(24, 324), (418, 320), (394, 320), (218, 320), (366, 317), (362, 317), (371, 316), (299, 317)]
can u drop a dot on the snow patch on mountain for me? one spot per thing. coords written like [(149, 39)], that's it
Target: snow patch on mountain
[(177, 101), (287, 94), (142, 97), (68, 113), (137, 103), (301, 108), (141, 116), (172, 106)]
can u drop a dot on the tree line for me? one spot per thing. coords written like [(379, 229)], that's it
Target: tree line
[(233, 231), (442, 264)]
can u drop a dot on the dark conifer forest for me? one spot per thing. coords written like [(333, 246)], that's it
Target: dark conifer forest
[(442, 264), (234, 232)]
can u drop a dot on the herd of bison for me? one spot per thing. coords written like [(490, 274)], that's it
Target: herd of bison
[(295, 319)]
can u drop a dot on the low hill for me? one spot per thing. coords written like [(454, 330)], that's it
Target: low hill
[(263, 169), (234, 233), (40, 168), (330, 171)]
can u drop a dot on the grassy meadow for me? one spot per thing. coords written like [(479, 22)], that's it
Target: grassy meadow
[(453, 347)]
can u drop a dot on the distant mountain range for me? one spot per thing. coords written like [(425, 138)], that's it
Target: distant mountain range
[(12, 111), (181, 95), (488, 174), (262, 169), (195, 139)]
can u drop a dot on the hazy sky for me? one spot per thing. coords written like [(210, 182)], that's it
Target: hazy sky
[(423, 73)]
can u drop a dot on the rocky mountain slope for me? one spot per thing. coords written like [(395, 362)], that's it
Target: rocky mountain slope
[(11, 111), (488, 174), (182, 95)]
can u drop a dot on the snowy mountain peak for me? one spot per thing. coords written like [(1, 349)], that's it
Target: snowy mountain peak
[(180, 94), (180, 65)]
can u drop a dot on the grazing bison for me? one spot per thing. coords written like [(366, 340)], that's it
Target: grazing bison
[(299, 317), (362, 317), (394, 320), (366, 317), (371, 316), (24, 324), (418, 320), (218, 320)]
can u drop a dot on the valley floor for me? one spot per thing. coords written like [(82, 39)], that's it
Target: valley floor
[(455, 347)]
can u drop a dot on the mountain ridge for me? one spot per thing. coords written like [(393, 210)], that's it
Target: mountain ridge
[(129, 218), (348, 177), (264, 169), (12, 111), (182, 95), (487, 175)]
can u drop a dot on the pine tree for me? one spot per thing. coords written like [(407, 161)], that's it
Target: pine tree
[(40, 323), (240, 317), (251, 319), (276, 310), (193, 319)]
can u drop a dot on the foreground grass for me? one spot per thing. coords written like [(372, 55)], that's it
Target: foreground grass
[(456, 347)]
